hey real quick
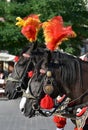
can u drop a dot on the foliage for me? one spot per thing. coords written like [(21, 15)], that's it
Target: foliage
[(74, 12)]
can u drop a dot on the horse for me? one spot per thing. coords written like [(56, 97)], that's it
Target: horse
[(38, 77), (17, 81), (63, 74)]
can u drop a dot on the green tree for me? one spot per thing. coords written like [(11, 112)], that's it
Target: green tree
[(74, 13)]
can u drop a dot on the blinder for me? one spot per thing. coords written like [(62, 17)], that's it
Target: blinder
[(18, 87), (18, 82)]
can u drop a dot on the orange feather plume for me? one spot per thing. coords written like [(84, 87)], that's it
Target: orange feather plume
[(30, 26), (55, 32)]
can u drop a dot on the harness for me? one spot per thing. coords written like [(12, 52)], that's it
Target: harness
[(19, 89), (61, 108)]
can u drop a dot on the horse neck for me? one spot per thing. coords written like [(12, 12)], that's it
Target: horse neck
[(84, 74), (79, 91)]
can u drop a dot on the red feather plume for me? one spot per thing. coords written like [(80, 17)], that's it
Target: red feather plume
[(55, 32)]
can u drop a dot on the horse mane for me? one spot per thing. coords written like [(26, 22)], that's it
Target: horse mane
[(69, 67)]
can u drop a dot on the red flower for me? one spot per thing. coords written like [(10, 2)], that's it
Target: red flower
[(30, 74), (60, 121), (55, 32), (16, 59)]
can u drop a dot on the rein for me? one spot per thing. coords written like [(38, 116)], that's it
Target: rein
[(18, 87), (64, 109), (81, 105), (12, 79)]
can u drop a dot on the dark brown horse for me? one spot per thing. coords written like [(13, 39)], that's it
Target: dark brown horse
[(68, 75), (17, 81)]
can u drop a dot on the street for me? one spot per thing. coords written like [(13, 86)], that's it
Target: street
[(12, 119)]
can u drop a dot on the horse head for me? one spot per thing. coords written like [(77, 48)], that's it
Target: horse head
[(43, 84), (56, 74), (18, 79)]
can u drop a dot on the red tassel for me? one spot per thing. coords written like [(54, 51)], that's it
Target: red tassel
[(78, 128), (30, 74), (60, 121), (47, 102), (16, 59)]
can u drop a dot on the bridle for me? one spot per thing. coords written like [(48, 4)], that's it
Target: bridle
[(43, 112), (18, 80), (36, 99)]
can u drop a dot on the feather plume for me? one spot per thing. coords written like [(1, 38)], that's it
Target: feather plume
[(30, 26), (55, 32)]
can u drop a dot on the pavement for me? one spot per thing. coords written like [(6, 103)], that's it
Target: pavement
[(12, 119)]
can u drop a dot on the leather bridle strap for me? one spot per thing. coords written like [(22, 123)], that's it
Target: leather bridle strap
[(28, 95), (12, 79)]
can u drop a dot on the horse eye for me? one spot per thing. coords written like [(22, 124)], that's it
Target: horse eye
[(48, 82)]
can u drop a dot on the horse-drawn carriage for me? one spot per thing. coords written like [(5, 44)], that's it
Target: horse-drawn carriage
[(46, 73), (26, 67)]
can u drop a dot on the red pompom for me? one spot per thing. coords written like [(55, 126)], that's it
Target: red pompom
[(16, 59), (78, 128), (47, 102), (30, 74), (60, 121)]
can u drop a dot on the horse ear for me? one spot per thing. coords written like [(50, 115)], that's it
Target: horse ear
[(47, 57), (34, 46)]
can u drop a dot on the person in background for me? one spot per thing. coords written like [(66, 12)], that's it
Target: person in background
[(10, 67), (2, 76), (2, 79)]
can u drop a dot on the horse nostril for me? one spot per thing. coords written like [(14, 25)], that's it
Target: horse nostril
[(22, 110), (18, 89), (35, 106)]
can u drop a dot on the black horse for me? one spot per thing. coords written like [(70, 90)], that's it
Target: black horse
[(63, 74), (40, 79), (17, 81)]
